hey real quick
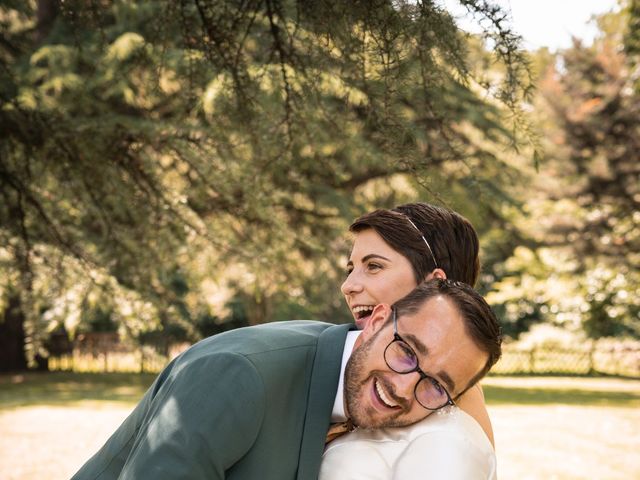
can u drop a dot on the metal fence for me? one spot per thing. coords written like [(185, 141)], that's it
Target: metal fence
[(612, 360)]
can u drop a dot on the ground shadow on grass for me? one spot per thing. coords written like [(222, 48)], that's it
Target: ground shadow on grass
[(497, 395), (65, 388)]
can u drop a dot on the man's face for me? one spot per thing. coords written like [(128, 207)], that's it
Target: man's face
[(376, 396)]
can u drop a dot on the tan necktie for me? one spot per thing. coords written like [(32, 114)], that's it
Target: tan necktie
[(338, 429)]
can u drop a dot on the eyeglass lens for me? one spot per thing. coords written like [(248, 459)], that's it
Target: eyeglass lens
[(402, 359)]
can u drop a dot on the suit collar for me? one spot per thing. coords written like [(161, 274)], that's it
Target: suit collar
[(322, 392)]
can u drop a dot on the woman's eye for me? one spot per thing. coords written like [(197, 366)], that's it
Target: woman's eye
[(373, 267), (348, 272)]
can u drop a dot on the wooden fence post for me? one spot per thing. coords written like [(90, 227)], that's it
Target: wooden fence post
[(532, 360)]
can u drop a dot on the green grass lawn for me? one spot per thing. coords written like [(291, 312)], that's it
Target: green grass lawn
[(545, 427), (68, 389), (582, 391)]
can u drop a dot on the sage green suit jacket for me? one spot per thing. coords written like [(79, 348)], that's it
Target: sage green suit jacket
[(252, 403)]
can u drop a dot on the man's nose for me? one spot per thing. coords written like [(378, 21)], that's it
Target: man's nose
[(351, 285), (405, 385)]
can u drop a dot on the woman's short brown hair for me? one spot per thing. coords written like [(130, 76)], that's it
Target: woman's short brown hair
[(452, 239)]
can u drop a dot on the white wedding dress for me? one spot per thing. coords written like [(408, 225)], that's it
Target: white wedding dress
[(447, 445)]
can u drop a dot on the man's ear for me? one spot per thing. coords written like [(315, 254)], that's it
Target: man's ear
[(436, 273), (376, 321)]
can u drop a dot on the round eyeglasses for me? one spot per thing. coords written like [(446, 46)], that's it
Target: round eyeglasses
[(401, 358)]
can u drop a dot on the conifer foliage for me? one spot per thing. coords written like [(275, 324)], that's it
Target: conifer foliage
[(140, 137)]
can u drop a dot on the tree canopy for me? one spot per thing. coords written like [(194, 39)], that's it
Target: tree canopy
[(582, 270), (184, 167)]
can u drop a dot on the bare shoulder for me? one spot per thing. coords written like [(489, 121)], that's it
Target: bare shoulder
[(472, 402)]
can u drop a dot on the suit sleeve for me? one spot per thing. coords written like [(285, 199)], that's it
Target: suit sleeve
[(202, 420), (445, 456)]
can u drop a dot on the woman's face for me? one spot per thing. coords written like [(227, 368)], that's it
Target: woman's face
[(376, 274)]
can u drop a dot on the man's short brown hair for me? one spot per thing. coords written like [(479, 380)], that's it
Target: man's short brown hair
[(480, 322)]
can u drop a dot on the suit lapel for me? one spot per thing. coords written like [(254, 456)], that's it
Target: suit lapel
[(322, 393)]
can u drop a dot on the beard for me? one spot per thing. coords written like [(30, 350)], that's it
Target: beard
[(357, 377)]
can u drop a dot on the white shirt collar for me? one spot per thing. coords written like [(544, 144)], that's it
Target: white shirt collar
[(338, 414)]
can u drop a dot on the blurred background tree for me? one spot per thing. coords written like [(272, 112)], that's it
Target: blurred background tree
[(583, 212), (175, 169)]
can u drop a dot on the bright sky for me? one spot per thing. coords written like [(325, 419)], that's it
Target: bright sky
[(549, 23)]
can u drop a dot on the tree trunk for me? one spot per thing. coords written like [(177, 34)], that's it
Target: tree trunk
[(46, 13), (12, 355)]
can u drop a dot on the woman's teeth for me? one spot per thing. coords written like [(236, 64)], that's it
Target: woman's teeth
[(362, 310)]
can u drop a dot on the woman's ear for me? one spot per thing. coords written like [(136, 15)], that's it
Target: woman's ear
[(436, 273)]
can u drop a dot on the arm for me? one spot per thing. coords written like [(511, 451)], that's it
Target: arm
[(201, 419), (472, 402)]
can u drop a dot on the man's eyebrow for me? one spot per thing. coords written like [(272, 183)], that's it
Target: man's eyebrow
[(417, 344), (451, 386), (424, 351)]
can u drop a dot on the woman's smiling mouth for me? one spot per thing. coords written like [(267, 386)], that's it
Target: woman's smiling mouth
[(361, 311)]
